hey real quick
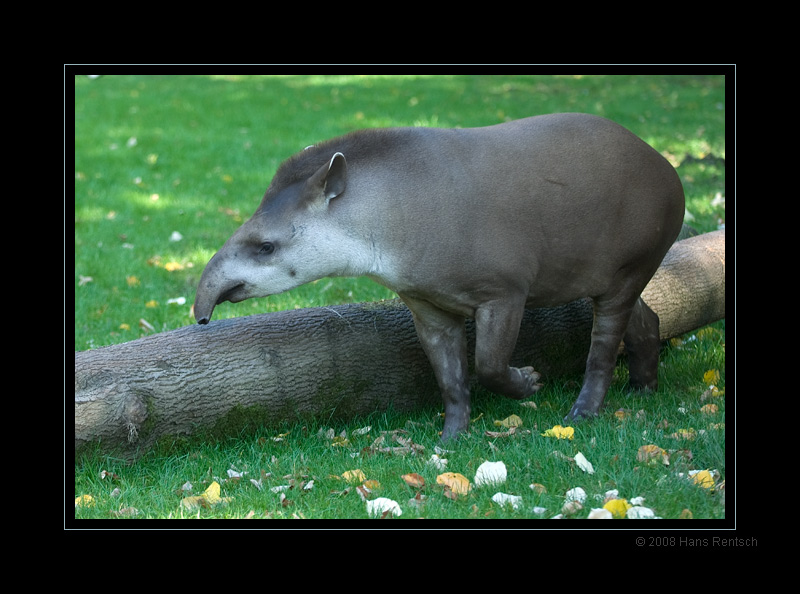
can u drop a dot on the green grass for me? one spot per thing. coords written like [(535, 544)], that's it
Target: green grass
[(156, 155)]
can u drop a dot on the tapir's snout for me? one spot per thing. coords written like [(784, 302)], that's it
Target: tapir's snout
[(214, 289), (203, 307), (205, 303)]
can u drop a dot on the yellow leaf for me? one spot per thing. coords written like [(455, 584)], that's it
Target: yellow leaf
[(211, 494), (372, 484), (560, 432), (173, 266), (151, 303), (510, 421), (132, 281), (84, 501), (689, 433), (193, 502), (652, 454), (354, 476), (707, 333), (339, 441), (711, 377), (704, 479), (209, 497), (454, 481), (124, 326), (617, 507)]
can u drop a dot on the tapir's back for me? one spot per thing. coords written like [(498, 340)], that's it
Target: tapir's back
[(558, 203)]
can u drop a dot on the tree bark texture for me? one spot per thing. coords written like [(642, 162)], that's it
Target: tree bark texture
[(338, 361)]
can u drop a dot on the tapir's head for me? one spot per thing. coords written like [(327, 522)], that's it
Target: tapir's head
[(289, 241)]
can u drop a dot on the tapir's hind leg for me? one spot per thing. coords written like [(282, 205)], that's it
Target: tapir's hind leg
[(610, 323), (642, 343)]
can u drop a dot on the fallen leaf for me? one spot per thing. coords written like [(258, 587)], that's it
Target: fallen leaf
[(509, 421), (637, 512), (383, 507), (414, 480), (212, 493), (438, 462), (583, 463), (576, 494), (600, 514), (418, 501), (354, 476), (709, 409), (84, 501), (514, 501), (560, 432), (125, 512), (457, 483), (704, 478), (689, 434), (711, 377), (617, 507), (494, 434), (538, 487), (211, 496), (652, 454), (491, 473)]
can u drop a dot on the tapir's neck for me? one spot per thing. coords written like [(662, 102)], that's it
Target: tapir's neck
[(366, 248)]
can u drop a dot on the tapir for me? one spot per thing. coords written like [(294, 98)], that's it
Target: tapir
[(474, 223)]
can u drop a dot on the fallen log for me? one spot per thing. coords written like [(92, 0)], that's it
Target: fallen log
[(338, 361)]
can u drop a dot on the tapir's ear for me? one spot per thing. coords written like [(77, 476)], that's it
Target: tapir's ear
[(330, 180)]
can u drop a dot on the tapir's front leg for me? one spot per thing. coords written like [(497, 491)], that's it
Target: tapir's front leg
[(443, 339), (496, 330)]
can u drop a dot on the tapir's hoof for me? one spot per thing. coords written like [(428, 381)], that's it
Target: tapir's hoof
[(647, 388), (451, 434), (530, 378), (578, 414)]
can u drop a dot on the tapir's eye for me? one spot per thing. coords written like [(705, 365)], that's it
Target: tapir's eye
[(266, 248)]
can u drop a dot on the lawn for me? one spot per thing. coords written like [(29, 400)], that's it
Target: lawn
[(167, 167)]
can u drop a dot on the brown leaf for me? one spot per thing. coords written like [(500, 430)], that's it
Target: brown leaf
[(414, 480)]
